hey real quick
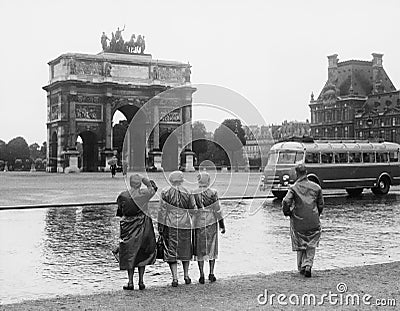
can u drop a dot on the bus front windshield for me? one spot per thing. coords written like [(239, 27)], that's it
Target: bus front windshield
[(285, 157)]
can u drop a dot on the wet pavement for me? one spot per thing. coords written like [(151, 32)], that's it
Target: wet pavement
[(60, 251)]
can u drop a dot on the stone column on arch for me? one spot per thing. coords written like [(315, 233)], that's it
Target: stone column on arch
[(187, 137), (108, 150), (155, 153)]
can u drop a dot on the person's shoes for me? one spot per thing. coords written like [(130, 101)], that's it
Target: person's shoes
[(201, 279), (212, 278), (307, 272), (174, 283), (187, 280), (302, 271), (128, 287), (141, 286)]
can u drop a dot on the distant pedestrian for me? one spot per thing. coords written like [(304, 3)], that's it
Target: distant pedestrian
[(175, 225), (113, 169), (137, 247), (207, 218), (304, 203)]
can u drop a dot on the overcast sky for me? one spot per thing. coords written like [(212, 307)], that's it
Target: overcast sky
[(271, 52)]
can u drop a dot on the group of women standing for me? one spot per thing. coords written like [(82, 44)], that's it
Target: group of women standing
[(187, 223)]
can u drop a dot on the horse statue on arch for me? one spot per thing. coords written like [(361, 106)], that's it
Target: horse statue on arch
[(135, 45)]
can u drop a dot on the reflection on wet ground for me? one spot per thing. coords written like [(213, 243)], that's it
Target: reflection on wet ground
[(60, 251)]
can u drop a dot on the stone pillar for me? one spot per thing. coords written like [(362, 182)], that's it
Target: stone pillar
[(71, 159), (108, 122), (72, 126), (155, 154), (60, 143), (156, 130), (187, 139), (48, 167)]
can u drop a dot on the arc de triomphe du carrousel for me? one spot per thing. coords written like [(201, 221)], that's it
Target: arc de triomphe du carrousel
[(85, 91)]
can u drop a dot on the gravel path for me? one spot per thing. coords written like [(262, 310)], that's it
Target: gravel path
[(376, 284)]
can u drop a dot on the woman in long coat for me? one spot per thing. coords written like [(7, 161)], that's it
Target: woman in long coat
[(207, 218), (175, 225), (137, 247)]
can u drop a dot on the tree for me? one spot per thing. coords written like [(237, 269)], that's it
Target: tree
[(43, 150), (214, 153), (34, 151), (199, 144), (3, 150), (17, 149), (231, 136)]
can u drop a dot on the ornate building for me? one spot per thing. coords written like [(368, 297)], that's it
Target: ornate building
[(84, 92), (358, 101)]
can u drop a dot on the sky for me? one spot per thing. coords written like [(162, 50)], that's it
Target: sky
[(274, 53)]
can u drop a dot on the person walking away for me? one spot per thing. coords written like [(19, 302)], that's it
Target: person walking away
[(137, 247), (113, 169), (304, 203), (207, 218), (175, 225)]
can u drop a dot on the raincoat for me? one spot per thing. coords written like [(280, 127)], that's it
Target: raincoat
[(175, 223), (304, 203), (207, 217), (137, 246)]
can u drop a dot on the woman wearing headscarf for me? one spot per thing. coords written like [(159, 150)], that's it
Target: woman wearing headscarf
[(207, 218), (175, 225), (137, 247)]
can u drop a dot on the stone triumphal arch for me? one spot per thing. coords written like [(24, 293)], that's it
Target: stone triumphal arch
[(85, 91)]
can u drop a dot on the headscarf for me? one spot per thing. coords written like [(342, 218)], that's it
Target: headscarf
[(203, 179), (176, 177), (135, 180)]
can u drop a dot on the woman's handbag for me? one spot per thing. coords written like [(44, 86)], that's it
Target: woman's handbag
[(160, 248)]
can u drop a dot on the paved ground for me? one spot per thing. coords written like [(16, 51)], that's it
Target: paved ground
[(22, 188), (375, 284)]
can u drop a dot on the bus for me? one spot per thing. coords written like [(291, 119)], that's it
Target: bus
[(352, 165)]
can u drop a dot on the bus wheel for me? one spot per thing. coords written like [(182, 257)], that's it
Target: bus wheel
[(279, 194), (383, 186), (354, 192), (313, 179)]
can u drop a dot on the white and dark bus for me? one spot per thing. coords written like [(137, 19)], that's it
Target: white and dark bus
[(348, 164)]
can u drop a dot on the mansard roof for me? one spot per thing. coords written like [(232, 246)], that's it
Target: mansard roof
[(354, 78), (382, 103)]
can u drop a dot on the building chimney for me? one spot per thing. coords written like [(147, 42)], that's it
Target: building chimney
[(332, 68), (377, 60), (377, 86), (332, 61)]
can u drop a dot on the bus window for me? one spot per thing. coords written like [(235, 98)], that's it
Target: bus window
[(368, 157), (394, 156), (290, 157), (299, 157), (341, 157), (382, 157), (326, 157), (312, 157), (354, 157), (272, 158), (287, 157)]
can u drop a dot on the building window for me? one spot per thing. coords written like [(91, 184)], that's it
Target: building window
[(360, 134), (393, 121)]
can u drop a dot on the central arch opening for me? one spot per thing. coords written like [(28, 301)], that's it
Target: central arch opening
[(129, 132)]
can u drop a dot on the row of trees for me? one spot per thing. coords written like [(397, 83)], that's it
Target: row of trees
[(18, 155), (224, 148)]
